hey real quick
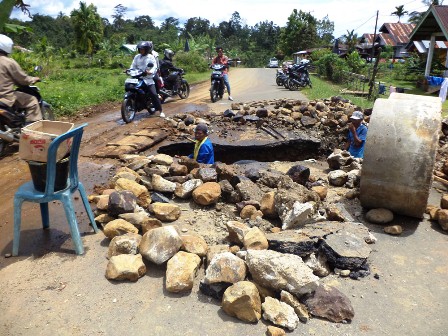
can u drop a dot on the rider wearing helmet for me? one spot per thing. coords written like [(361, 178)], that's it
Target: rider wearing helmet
[(11, 74), (166, 66), (141, 62), (224, 60)]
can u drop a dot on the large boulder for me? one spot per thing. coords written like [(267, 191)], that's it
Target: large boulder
[(166, 212), (242, 301), (138, 190), (162, 185), (207, 194), (281, 271), (180, 272), (328, 302), (125, 244), (185, 189), (225, 267), (159, 245), (125, 267), (118, 227), (121, 202), (280, 313)]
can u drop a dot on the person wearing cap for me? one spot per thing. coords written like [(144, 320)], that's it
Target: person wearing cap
[(203, 148), (357, 135)]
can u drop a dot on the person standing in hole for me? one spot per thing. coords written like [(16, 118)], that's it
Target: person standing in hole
[(357, 135), (203, 148), (224, 60)]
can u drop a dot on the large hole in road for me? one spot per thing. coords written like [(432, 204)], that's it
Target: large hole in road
[(290, 150)]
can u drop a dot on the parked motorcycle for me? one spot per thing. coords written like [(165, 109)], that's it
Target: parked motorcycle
[(280, 77), (136, 97), (175, 79), (299, 76), (12, 120), (217, 79)]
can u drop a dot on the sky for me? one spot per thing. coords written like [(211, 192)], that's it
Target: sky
[(358, 15)]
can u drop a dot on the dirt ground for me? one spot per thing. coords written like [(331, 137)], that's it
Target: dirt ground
[(49, 290)]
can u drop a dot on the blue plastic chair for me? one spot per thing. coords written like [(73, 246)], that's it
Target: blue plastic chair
[(27, 192)]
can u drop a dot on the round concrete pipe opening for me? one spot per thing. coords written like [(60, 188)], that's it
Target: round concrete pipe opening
[(400, 154)]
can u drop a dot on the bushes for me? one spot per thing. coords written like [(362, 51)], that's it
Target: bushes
[(190, 61), (332, 66)]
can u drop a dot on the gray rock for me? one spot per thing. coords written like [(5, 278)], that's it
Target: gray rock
[(338, 159), (160, 244), (281, 271), (249, 191), (162, 185), (337, 178), (299, 174), (298, 215), (280, 313), (308, 121), (159, 198), (353, 178), (228, 193), (380, 216), (185, 190), (125, 244), (121, 202), (208, 174), (318, 264), (275, 179), (328, 302), (225, 267)]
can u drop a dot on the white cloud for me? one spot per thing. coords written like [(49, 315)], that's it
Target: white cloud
[(346, 14)]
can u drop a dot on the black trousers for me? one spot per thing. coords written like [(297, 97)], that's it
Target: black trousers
[(154, 97)]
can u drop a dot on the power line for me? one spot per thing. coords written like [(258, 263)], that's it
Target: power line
[(365, 22)]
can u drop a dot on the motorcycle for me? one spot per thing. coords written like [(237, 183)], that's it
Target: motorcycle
[(217, 79), (281, 77), (12, 119), (299, 77), (136, 97), (174, 79)]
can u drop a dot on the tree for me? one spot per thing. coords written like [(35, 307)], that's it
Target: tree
[(119, 11), (415, 17), (325, 29), (399, 11), (196, 26), (6, 7), (300, 32), (351, 40), (88, 27)]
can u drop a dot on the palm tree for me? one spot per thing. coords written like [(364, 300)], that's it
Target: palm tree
[(399, 12), (351, 40), (88, 27)]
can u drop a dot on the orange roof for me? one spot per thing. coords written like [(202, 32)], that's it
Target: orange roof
[(398, 32)]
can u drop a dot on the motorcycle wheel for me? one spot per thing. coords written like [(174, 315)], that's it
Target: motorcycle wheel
[(47, 113), (286, 83), (279, 81), (291, 85), (2, 147), (184, 90), (128, 110), (214, 95)]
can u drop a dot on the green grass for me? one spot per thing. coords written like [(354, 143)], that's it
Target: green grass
[(197, 77), (325, 89)]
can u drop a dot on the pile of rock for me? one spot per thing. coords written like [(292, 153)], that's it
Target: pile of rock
[(262, 270), (439, 214)]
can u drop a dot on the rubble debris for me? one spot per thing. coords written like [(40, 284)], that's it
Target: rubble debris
[(181, 270), (280, 313), (394, 229), (242, 301), (125, 267), (160, 244), (118, 227), (299, 308), (124, 244), (380, 216)]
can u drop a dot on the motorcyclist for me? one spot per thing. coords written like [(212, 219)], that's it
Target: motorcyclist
[(166, 66), (141, 62), (11, 75), (224, 60)]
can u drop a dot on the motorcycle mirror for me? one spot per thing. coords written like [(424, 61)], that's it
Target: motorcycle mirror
[(38, 68), (150, 65)]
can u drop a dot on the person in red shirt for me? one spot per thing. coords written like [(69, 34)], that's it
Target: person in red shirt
[(224, 60)]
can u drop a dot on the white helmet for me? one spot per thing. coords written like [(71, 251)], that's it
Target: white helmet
[(304, 61), (5, 44)]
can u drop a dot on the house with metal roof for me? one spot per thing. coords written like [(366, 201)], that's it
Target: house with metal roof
[(395, 35), (433, 27)]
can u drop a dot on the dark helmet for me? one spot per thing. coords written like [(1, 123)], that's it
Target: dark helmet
[(168, 54), (145, 45), (218, 49)]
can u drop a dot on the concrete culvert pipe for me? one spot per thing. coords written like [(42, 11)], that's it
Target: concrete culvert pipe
[(400, 152)]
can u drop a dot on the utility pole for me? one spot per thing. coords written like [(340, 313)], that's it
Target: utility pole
[(374, 37)]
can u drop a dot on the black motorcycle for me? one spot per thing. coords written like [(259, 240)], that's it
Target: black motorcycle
[(175, 80), (299, 77), (281, 77), (217, 79), (12, 120), (137, 96)]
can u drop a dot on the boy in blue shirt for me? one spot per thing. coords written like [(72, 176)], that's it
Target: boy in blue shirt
[(357, 135), (203, 148)]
